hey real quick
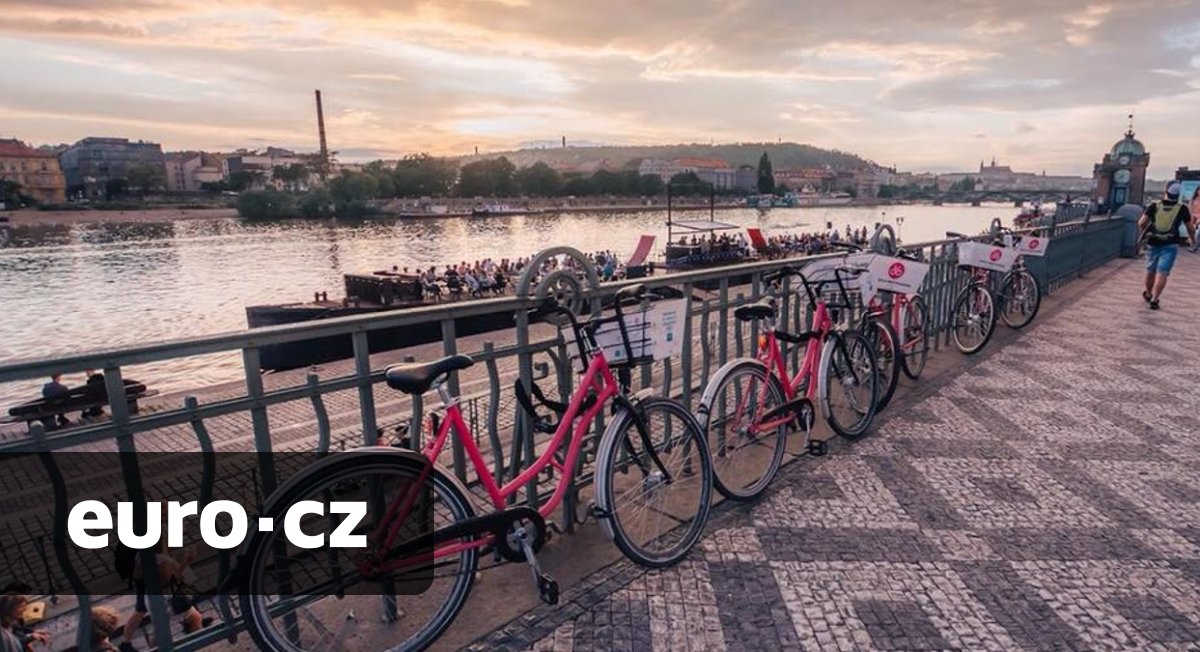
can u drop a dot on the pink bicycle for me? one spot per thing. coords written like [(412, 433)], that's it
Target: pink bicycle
[(751, 403), (422, 537)]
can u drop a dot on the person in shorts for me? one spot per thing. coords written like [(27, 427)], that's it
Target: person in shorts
[(1166, 224)]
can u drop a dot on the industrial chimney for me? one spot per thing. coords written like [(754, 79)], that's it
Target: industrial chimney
[(321, 132)]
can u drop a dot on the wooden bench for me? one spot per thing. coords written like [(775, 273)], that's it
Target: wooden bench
[(77, 399)]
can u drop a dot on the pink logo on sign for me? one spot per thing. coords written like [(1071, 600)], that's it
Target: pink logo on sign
[(896, 270), (995, 255), (1034, 243)]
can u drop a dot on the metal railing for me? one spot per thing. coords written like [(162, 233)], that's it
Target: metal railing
[(711, 338)]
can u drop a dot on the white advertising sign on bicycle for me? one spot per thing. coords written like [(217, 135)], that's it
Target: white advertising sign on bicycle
[(654, 331), (1032, 245), (977, 254), (897, 275)]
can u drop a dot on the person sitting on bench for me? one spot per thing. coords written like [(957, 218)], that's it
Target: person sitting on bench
[(95, 391), (55, 389)]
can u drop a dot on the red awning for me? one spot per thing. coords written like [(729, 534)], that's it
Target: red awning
[(757, 239), (642, 252)]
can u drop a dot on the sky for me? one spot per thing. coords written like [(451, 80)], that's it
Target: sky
[(921, 84)]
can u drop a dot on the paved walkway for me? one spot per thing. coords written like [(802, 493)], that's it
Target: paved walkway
[(1045, 496)]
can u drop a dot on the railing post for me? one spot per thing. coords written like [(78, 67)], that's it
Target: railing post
[(366, 392), (114, 384), (449, 348)]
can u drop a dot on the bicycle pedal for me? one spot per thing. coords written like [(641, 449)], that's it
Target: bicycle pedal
[(818, 448), (547, 589), (595, 511)]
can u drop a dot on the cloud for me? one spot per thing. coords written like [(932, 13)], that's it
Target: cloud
[(913, 82), (70, 27)]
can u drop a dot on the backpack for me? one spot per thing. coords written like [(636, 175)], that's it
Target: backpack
[(1165, 226), (124, 560)]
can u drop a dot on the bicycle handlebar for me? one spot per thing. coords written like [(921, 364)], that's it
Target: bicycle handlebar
[(952, 234)]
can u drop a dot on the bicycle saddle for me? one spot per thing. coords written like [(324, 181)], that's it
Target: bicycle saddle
[(417, 378), (764, 309)]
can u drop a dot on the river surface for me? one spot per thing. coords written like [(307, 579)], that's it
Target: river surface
[(88, 286)]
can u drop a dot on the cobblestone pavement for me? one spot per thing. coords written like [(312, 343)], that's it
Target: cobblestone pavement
[(1045, 496)]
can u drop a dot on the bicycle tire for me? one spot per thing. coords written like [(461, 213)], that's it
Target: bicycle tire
[(916, 321), (964, 317), (742, 483), (1027, 283), (849, 359), (884, 342), (622, 457), (322, 477)]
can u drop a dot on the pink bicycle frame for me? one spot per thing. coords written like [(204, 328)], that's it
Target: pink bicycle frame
[(598, 377)]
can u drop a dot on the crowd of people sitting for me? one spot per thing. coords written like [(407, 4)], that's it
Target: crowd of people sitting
[(492, 277), (817, 242)]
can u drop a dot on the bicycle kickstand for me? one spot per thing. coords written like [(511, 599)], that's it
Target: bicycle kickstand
[(547, 587)]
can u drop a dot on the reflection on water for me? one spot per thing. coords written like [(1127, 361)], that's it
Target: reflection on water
[(83, 287)]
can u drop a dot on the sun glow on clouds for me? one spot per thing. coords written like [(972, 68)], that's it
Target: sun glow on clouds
[(446, 75)]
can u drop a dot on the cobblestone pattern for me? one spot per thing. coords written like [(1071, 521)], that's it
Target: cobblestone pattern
[(1045, 497)]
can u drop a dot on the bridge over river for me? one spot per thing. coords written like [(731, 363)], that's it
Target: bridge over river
[(1040, 494)]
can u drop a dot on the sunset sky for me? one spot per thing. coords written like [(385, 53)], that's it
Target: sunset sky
[(922, 84)]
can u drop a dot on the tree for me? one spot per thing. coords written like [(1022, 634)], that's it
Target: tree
[(577, 185), (316, 204), (114, 188), (10, 193), (608, 183), (422, 175), (487, 178), (292, 176), (687, 183), (539, 180), (965, 184), (766, 175), (146, 177), (651, 185), (264, 204)]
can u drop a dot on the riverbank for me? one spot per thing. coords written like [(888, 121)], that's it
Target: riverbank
[(35, 217), (173, 214)]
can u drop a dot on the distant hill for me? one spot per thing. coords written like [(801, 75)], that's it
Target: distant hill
[(783, 155)]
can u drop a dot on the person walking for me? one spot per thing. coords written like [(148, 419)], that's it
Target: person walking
[(1195, 210), (1166, 224)]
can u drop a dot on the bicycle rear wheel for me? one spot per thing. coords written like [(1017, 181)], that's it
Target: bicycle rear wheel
[(654, 482), (1020, 298), (746, 453), (883, 340), (974, 318), (307, 600), (916, 337), (849, 384)]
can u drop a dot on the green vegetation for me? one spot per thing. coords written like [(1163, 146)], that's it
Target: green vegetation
[(783, 155), (146, 178), (10, 194), (265, 204), (766, 175)]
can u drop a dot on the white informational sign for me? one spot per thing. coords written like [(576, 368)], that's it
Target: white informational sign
[(656, 331), (1031, 245), (977, 254), (823, 270), (898, 274)]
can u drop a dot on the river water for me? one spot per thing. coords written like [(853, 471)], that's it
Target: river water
[(88, 286)]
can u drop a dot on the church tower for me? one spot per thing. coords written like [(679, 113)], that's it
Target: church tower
[(1121, 177)]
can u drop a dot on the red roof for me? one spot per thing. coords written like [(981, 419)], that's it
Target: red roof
[(701, 163), (14, 147)]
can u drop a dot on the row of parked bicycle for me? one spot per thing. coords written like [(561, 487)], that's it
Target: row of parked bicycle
[(656, 462)]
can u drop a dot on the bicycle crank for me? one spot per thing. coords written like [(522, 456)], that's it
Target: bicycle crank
[(547, 587)]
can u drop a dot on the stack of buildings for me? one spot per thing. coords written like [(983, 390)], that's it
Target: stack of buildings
[(36, 171)]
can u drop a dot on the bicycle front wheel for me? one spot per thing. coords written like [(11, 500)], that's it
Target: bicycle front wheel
[(654, 482), (1020, 298), (333, 598), (746, 449), (883, 340), (915, 337), (974, 318), (850, 384)]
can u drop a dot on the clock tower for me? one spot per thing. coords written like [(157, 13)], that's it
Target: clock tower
[(1121, 177)]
